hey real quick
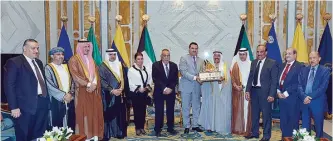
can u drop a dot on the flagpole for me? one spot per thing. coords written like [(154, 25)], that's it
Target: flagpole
[(327, 17), (92, 20), (64, 19)]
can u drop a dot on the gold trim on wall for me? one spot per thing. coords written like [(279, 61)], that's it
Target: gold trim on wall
[(65, 10), (86, 11), (47, 29), (109, 26), (323, 11), (142, 11), (285, 16), (250, 21), (58, 17), (269, 8), (310, 24), (76, 25), (97, 24), (124, 10)]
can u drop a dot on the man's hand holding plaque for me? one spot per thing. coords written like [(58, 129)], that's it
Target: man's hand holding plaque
[(210, 73), (221, 79)]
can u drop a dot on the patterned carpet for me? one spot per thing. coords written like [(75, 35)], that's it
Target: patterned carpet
[(276, 133)]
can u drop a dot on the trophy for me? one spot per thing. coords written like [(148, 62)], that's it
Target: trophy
[(209, 73)]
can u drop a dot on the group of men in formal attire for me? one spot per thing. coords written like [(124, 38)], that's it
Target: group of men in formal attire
[(94, 99)]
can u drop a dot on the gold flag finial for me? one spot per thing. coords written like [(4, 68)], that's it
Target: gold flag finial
[(243, 17), (327, 17), (91, 19), (299, 17), (145, 18), (272, 17), (64, 18), (119, 18)]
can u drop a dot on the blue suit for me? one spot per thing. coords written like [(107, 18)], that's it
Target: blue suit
[(289, 107), (190, 89), (317, 105), (21, 84)]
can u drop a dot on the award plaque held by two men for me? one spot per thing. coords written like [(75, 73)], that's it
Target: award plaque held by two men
[(210, 73)]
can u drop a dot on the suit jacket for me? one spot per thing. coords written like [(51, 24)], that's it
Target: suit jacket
[(290, 83), (268, 77), (21, 84), (319, 85), (188, 71), (160, 79)]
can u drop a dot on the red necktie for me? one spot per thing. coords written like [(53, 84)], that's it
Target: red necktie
[(284, 75)]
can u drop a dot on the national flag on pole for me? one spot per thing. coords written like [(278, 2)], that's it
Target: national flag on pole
[(300, 45), (65, 44), (242, 42), (273, 50), (96, 53), (118, 45), (325, 51), (146, 48)]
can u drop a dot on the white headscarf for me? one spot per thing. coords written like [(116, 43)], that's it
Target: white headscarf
[(244, 66), (115, 65), (221, 68)]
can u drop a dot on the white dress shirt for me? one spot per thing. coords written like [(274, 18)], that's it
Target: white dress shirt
[(39, 89), (64, 78), (166, 73), (285, 93), (260, 67)]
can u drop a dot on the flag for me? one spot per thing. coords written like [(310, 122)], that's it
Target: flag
[(96, 54), (65, 44), (300, 45), (242, 42), (325, 51), (273, 50), (118, 45), (146, 48)]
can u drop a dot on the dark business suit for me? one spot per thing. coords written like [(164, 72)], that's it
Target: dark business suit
[(161, 81), (289, 107), (316, 107), (259, 95), (21, 89)]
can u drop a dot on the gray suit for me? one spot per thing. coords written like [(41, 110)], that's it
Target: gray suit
[(259, 95), (190, 89)]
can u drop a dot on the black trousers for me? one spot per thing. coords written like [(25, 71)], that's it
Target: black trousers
[(139, 109), (259, 104), (31, 126), (159, 111)]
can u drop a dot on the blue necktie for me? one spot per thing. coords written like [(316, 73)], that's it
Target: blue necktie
[(308, 89), (195, 63)]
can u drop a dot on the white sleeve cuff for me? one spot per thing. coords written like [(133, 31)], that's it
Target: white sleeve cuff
[(278, 90), (195, 78), (89, 84), (285, 93), (165, 89), (95, 81)]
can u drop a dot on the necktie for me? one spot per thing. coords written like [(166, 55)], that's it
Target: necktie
[(308, 88), (40, 79), (256, 72), (195, 63), (167, 71), (284, 75)]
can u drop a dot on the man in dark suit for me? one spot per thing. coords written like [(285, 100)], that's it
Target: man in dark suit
[(287, 93), (26, 92), (260, 90), (312, 85), (165, 77)]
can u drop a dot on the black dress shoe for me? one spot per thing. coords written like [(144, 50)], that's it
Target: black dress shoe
[(264, 139), (138, 132), (186, 131), (251, 137), (197, 129), (173, 132), (143, 132)]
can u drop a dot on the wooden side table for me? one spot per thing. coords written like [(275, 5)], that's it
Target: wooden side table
[(78, 138)]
